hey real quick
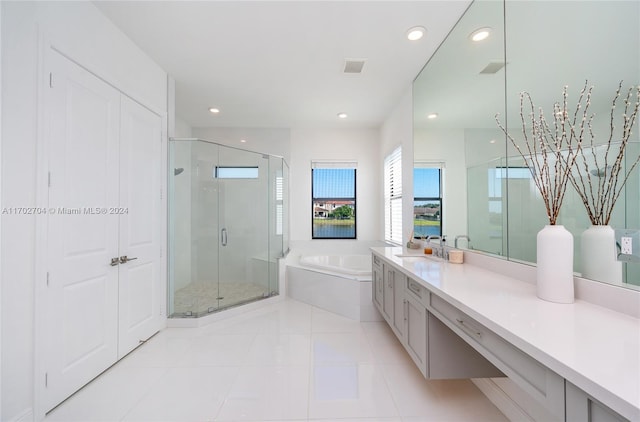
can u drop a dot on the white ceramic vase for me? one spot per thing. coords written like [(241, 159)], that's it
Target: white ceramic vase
[(554, 274), (599, 255)]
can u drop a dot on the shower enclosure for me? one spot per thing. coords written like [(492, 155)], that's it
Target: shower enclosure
[(228, 225)]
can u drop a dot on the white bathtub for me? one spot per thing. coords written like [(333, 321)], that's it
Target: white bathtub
[(357, 267), (336, 283)]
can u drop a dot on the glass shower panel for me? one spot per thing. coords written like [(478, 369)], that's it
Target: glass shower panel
[(193, 288), (243, 191), (485, 197), (204, 288)]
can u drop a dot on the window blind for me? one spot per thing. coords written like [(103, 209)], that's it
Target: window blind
[(393, 196)]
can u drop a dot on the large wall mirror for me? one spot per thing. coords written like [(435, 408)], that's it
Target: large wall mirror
[(538, 47)]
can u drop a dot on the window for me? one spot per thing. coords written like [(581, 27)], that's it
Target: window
[(236, 172), (393, 197), (427, 200), (333, 197)]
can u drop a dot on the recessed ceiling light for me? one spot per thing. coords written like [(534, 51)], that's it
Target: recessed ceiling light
[(493, 141), (214, 110), (342, 115), (243, 141), (415, 33), (432, 116), (480, 34)]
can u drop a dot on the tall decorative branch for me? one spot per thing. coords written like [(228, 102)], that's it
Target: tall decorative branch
[(550, 150), (599, 188)]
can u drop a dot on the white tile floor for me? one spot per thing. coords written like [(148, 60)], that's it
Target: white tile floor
[(287, 361)]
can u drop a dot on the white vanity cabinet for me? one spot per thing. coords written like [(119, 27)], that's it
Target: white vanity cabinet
[(581, 407), (388, 295), (437, 351), (388, 303), (416, 329), (468, 322), (394, 300), (540, 382)]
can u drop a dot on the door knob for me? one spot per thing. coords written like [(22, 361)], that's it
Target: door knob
[(124, 259), (114, 261)]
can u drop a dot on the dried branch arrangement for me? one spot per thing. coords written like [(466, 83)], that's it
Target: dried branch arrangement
[(549, 150), (599, 179)]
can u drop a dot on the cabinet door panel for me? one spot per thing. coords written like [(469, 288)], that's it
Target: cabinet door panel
[(416, 334), (387, 301), (377, 285), (399, 305), (581, 407)]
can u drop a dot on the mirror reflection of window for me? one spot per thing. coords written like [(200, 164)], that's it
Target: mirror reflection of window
[(427, 200)]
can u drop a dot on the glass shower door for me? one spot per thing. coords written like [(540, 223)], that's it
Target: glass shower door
[(243, 224)]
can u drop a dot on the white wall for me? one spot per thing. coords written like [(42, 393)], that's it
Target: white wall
[(397, 130), (182, 128), (82, 33), (335, 144)]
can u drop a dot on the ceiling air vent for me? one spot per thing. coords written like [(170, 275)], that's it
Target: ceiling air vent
[(353, 65), (492, 67)]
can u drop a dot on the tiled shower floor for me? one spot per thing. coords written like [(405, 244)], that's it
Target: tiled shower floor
[(286, 361), (202, 297)]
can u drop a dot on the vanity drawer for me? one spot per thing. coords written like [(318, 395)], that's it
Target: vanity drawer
[(417, 291), (543, 384), (376, 260)]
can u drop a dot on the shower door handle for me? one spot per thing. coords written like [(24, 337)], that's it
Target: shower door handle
[(223, 237)]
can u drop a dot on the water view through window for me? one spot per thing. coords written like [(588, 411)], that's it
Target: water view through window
[(427, 202), (334, 203)]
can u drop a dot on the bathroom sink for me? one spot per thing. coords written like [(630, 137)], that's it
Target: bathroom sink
[(415, 257)]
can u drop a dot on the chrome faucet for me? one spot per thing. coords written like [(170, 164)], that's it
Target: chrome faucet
[(440, 250), (461, 236)]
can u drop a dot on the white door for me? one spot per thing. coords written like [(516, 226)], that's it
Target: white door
[(82, 115), (140, 225)]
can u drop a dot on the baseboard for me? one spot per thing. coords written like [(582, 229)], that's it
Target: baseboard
[(502, 400)]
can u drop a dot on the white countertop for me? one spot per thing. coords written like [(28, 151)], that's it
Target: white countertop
[(593, 347)]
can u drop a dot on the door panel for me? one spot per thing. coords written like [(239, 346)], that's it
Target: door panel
[(82, 115), (243, 273), (139, 212)]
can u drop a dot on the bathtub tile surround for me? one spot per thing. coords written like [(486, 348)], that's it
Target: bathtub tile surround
[(285, 361), (336, 283)]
